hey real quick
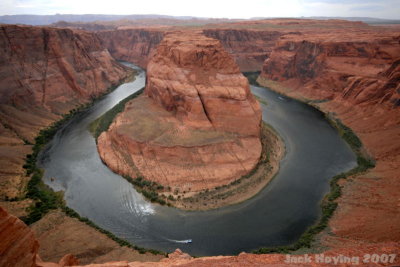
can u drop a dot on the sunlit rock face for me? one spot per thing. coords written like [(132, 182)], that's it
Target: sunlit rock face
[(197, 126), (45, 72)]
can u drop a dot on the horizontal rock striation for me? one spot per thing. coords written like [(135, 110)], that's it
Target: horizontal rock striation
[(133, 45), (357, 72), (18, 246), (197, 125), (360, 81), (248, 47), (45, 72)]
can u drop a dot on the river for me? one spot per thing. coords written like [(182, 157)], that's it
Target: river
[(278, 215)]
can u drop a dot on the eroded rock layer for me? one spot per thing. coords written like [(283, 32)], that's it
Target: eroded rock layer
[(359, 83), (18, 246), (248, 47), (45, 72), (133, 45), (196, 127)]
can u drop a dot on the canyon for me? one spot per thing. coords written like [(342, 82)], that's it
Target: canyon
[(349, 70), (197, 126), (20, 248), (45, 73), (357, 82)]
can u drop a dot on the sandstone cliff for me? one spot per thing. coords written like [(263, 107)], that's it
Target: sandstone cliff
[(360, 71), (196, 127), (358, 77), (45, 72), (18, 246), (133, 45), (248, 47)]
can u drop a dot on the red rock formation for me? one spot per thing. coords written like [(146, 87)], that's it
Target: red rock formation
[(361, 80), (354, 256), (45, 72), (197, 127), (249, 47), (18, 246), (133, 45), (199, 82), (359, 71)]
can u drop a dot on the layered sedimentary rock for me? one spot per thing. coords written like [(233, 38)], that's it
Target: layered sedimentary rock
[(18, 246), (248, 47), (360, 82), (249, 42), (360, 71), (196, 127), (133, 45), (45, 72)]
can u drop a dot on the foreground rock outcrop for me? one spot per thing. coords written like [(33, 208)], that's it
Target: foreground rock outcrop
[(20, 248), (45, 72), (196, 127)]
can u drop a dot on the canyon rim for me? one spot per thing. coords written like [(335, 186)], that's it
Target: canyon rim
[(197, 125)]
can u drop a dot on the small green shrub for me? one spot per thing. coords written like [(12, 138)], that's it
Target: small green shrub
[(328, 204), (102, 123)]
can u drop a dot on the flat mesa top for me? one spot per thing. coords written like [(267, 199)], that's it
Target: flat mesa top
[(194, 50)]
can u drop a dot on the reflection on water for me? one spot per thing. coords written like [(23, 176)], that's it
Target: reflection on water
[(276, 216)]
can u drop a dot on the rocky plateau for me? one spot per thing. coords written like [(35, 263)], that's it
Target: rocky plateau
[(196, 127), (349, 69)]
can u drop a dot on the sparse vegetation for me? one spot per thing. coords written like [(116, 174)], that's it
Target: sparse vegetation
[(149, 189), (71, 213), (256, 179), (102, 123), (262, 101), (329, 204), (45, 199)]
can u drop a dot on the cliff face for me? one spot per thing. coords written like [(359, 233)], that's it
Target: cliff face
[(18, 246), (357, 72), (361, 81), (133, 45), (198, 81), (197, 126), (248, 47), (45, 72)]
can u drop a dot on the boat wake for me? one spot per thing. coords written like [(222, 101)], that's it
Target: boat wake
[(185, 241)]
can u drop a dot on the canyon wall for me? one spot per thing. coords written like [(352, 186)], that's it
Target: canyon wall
[(133, 45), (354, 68), (197, 125), (45, 73), (356, 78), (363, 71), (18, 246), (248, 47)]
